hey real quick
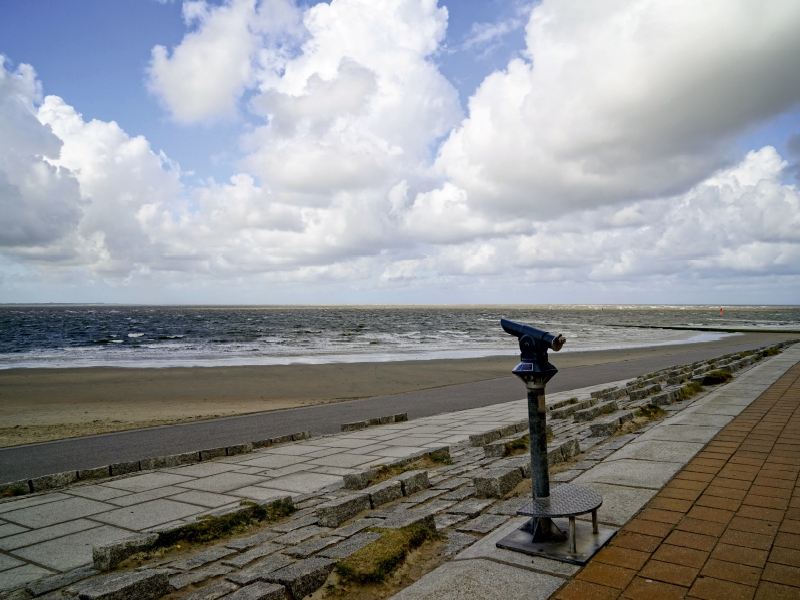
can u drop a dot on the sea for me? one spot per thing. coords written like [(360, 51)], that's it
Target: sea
[(35, 336)]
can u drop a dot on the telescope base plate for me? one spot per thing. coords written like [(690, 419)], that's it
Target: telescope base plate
[(587, 543)]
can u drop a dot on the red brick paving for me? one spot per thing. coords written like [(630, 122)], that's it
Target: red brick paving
[(727, 526)]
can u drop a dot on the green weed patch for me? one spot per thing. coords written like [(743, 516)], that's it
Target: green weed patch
[(373, 562), (716, 377)]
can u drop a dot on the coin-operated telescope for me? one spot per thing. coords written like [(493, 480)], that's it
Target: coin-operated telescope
[(542, 536), (534, 367)]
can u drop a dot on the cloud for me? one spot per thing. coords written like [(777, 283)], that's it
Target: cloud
[(39, 203), (603, 160), (206, 74), (618, 101)]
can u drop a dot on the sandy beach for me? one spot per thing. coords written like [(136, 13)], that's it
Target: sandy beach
[(39, 405)]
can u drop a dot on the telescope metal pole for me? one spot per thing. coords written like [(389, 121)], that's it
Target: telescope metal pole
[(537, 425)]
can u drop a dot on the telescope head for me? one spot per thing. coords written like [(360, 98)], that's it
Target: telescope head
[(533, 343), (534, 368)]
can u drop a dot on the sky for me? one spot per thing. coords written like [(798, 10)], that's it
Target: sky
[(400, 152)]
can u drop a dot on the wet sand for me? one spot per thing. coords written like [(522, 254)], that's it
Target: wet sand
[(39, 405)]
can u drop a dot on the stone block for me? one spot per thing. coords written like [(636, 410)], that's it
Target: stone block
[(186, 458), (442, 453), (304, 577), (386, 420), (239, 449), (385, 492), (401, 418), (123, 468), (211, 592), (481, 439), (138, 585), (183, 580), (94, 473), (554, 456), (354, 426), (311, 546), (259, 591), (156, 462), (54, 481), (211, 555), (260, 570), (245, 558), (107, 555), (570, 447), (16, 488), (350, 546), (625, 416), (605, 427), (522, 462), (212, 453), (508, 430), (600, 393), (415, 516), (336, 512), (360, 480), (521, 426), (495, 450), (301, 435), (496, 483), (48, 584), (483, 524), (282, 439), (262, 443), (413, 482), (374, 421), (472, 507)]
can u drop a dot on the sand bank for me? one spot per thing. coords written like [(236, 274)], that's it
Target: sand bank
[(46, 404)]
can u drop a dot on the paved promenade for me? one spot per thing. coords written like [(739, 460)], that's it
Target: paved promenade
[(727, 526), (47, 533)]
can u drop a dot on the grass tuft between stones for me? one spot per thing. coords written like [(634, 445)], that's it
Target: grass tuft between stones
[(375, 561), (651, 412), (716, 377), (209, 528), (518, 446), (691, 389)]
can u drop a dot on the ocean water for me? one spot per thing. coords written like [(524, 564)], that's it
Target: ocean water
[(162, 336)]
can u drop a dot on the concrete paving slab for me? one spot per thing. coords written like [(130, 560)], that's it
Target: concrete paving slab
[(620, 503), (19, 576), (473, 579), (148, 514), (681, 433), (96, 492), (346, 460), (46, 533), (204, 498), (155, 494), (486, 548), (702, 420), (274, 461), (302, 483), (204, 469), (632, 473), (658, 450), (223, 482), (148, 481), (43, 515), (71, 551), (399, 451), (18, 503), (258, 493), (7, 529), (9, 562)]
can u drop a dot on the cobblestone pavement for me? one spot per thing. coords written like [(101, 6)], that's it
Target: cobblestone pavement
[(728, 524), (44, 534)]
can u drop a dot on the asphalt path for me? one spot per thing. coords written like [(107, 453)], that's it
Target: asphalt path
[(34, 460)]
